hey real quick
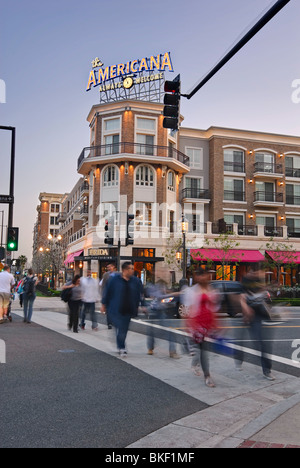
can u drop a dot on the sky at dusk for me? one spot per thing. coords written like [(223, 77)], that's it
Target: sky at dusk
[(46, 50)]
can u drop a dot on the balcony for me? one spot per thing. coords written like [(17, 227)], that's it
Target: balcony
[(195, 194), (120, 152), (84, 189), (84, 212), (230, 195), (271, 231), (247, 230), (62, 216), (268, 198), (268, 170)]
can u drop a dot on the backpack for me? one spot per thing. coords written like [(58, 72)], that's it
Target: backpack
[(66, 294), (28, 286)]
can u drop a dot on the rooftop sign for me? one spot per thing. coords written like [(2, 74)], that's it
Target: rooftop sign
[(126, 71)]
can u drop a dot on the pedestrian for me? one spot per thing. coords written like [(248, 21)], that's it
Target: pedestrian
[(74, 303), (7, 283), (256, 315), (20, 292), (111, 270), (158, 313), (122, 297), (90, 295), (202, 302), (29, 287)]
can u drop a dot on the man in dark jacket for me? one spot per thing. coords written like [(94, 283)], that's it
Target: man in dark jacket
[(121, 300)]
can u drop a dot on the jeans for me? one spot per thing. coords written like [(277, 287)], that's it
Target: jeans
[(74, 307), (121, 323), (160, 316), (201, 357), (89, 307), (28, 306)]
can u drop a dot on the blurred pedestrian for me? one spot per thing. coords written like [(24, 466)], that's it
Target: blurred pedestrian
[(202, 302), (111, 270), (121, 300), (20, 291), (90, 295), (29, 294), (74, 303), (158, 312), (256, 315), (7, 283)]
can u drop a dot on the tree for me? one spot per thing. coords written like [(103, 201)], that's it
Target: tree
[(225, 254), (281, 254)]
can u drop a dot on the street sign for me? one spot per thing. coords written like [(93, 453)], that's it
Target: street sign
[(6, 199)]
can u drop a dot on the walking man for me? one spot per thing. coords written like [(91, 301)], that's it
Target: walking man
[(90, 295), (7, 283), (121, 300)]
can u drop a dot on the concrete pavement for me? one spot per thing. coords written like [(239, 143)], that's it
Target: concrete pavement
[(244, 406)]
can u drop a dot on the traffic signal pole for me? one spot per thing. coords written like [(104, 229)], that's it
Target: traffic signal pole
[(279, 5)]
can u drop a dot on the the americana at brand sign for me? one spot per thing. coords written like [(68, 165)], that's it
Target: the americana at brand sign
[(99, 75)]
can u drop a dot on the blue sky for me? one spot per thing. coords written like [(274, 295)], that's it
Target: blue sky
[(46, 49)]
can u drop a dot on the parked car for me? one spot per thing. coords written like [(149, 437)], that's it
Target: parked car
[(230, 296)]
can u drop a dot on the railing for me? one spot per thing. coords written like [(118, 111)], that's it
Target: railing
[(291, 172), (268, 168), (132, 148), (195, 193), (246, 230), (84, 188), (293, 233), (231, 166), (268, 197), (84, 210), (273, 231), (234, 195), (292, 199), (221, 228)]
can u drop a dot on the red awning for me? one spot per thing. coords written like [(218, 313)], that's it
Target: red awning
[(218, 255), (70, 257), (284, 257)]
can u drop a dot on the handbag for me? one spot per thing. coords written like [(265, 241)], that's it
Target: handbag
[(66, 294)]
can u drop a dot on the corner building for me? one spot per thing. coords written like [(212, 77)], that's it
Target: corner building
[(132, 166)]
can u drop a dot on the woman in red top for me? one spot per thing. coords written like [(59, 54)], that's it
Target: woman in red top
[(203, 305)]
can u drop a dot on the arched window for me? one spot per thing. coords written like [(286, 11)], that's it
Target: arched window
[(171, 181), (111, 176), (144, 176)]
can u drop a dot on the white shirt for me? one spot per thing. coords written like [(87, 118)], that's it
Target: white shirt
[(90, 289), (6, 282)]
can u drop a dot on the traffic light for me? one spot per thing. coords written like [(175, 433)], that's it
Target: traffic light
[(172, 104), (130, 230), (109, 231), (12, 239)]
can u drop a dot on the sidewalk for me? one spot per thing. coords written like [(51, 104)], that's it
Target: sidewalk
[(244, 410)]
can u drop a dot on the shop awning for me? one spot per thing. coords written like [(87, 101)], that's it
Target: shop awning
[(284, 257), (70, 257), (218, 255)]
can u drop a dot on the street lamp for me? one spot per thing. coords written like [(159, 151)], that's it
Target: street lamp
[(184, 230)]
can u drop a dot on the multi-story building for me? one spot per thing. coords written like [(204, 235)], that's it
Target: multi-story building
[(222, 180), (47, 222)]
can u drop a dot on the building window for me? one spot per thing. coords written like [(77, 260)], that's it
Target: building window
[(54, 208), (292, 166), (292, 194), (196, 157), (145, 144), (144, 176), (111, 176), (234, 189), (145, 124), (171, 181), (234, 160), (264, 162), (112, 124), (112, 144), (143, 214)]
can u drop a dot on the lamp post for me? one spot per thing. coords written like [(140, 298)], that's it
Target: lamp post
[(184, 230)]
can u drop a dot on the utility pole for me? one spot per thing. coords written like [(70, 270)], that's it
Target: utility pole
[(279, 5)]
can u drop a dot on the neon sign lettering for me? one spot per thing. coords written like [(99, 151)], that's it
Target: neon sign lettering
[(99, 75)]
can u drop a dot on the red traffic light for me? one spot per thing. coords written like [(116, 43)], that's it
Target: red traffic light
[(172, 87)]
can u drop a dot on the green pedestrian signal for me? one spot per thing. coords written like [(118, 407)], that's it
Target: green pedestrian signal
[(12, 239)]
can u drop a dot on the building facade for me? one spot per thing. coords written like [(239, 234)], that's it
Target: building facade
[(138, 182)]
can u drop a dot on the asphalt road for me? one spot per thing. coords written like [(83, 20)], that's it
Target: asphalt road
[(282, 334), (56, 392)]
